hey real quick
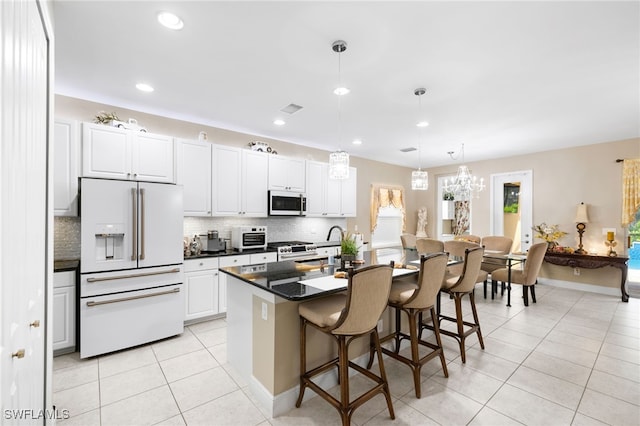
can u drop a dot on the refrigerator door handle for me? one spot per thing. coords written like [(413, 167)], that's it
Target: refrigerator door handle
[(134, 226), (142, 215)]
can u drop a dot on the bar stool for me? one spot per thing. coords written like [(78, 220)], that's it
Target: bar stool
[(346, 318), (413, 299), (457, 287)]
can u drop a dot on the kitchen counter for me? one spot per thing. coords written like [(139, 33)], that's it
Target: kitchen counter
[(230, 252), (286, 279)]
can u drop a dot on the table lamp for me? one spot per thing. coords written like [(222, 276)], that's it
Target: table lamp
[(581, 219)]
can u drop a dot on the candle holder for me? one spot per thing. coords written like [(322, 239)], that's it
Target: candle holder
[(611, 243)]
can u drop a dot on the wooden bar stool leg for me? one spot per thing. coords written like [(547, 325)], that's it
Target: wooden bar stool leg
[(303, 359), (436, 331), (383, 375), (415, 356), (343, 374), (460, 324), (476, 320)]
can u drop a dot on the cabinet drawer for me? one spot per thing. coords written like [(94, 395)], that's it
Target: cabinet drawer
[(202, 264), (243, 259), (328, 251), (264, 258), (64, 279)]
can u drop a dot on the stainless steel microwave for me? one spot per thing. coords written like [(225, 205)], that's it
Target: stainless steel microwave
[(282, 203)]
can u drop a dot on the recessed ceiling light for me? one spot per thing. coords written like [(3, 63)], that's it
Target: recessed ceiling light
[(340, 91), (357, 142), (422, 124), (144, 87), (170, 20), (278, 122)]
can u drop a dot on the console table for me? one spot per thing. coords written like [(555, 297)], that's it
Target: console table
[(590, 261)]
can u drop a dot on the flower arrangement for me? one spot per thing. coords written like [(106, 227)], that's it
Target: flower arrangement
[(549, 233)]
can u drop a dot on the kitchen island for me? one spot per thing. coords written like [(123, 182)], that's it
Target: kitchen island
[(263, 324)]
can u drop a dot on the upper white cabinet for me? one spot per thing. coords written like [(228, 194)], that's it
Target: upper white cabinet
[(239, 182), (330, 197), (194, 174), (66, 161), (286, 174), (111, 152)]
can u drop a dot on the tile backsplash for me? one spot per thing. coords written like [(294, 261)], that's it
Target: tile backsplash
[(66, 243)]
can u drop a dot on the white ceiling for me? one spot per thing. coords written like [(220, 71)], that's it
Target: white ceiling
[(503, 78)]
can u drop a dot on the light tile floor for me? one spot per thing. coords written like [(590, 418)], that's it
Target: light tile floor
[(571, 359)]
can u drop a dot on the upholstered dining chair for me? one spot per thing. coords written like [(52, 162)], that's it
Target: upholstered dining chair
[(495, 244), (457, 249), (345, 318), (414, 298), (429, 245), (457, 287), (528, 276), (408, 241)]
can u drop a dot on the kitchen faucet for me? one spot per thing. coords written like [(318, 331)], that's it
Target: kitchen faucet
[(334, 227)]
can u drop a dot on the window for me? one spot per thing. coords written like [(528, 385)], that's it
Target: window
[(389, 229)]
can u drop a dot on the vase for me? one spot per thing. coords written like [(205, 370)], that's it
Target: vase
[(346, 261), (551, 245)]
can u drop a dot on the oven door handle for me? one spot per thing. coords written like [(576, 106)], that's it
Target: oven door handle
[(125, 299), (122, 277)]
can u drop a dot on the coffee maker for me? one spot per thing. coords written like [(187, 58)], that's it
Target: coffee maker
[(211, 243)]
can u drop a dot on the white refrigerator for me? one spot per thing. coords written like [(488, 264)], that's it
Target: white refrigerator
[(131, 289)]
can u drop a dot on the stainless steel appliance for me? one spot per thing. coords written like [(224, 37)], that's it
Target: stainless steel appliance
[(282, 203), (131, 264), (248, 237), (212, 243), (294, 250)]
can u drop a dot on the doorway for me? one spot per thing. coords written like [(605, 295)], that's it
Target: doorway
[(633, 251), (512, 207)]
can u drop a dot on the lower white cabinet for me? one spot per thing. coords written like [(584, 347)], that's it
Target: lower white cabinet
[(240, 260), (201, 288), (64, 312)]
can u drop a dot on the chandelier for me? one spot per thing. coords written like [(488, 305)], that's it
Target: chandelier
[(339, 160), (465, 185), (420, 178)]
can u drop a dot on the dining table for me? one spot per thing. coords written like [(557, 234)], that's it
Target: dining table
[(508, 260)]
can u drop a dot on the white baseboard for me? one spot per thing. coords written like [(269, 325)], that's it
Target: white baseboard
[(571, 285)]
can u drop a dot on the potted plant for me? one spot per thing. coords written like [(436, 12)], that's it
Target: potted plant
[(348, 249)]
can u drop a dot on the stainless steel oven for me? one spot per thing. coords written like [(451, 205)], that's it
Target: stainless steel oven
[(282, 203)]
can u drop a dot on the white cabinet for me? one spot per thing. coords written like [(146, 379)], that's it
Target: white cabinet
[(64, 312), (330, 197), (194, 174), (239, 182), (201, 288), (114, 153), (240, 260), (286, 174), (66, 162)]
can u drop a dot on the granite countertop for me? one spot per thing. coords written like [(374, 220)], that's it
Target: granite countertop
[(230, 252), (65, 265), (283, 278)]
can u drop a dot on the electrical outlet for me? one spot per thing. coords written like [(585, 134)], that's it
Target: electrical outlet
[(313, 230), (576, 271), (264, 311), (380, 326)]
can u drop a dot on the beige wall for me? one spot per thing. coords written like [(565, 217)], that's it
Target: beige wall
[(561, 179)]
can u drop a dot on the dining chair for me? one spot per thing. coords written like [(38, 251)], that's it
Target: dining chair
[(346, 317), (414, 298), (457, 287), (495, 244), (408, 241), (527, 276), (429, 245)]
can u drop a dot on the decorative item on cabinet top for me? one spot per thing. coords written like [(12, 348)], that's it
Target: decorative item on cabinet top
[(261, 147), (112, 119)]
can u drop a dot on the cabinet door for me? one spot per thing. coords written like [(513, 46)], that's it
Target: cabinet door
[(201, 294), (226, 181), (64, 318), (194, 174), (350, 193), (316, 188), (254, 183), (153, 158), (286, 174), (65, 168), (106, 152), (334, 197)]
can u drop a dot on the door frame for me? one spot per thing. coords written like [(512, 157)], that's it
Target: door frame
[(525, 204)]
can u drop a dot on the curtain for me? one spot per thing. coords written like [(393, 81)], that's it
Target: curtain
[(385, 196), (630, 190), (461, 215)]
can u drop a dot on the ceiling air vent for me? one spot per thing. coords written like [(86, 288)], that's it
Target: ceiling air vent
[(291, 108), (408, 149)]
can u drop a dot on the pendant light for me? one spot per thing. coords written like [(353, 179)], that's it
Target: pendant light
[(465, 185), (339, 160), (420, 178)]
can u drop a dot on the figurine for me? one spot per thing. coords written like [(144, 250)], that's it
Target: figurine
[(421, 231)]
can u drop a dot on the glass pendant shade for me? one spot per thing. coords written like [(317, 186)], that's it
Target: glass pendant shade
[(419, 180), (339, 165)]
